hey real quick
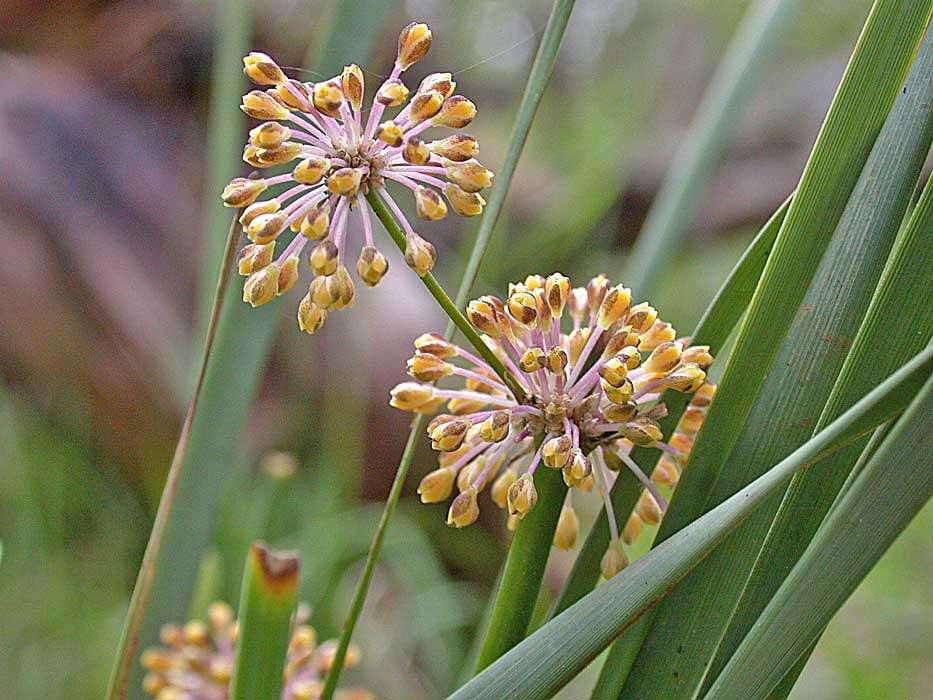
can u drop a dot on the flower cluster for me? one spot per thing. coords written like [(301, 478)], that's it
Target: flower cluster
[(196, 661), (591, 392), (340, 159)]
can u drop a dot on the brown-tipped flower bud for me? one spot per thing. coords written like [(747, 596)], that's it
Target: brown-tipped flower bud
[(269, 135), (390, 133), (436, 486), (596, 290), (614, 560), (577, 342), (269, 206), (578, 467), (483, 314), (426, 367), (633, 529), (345, 181), (392, 93), (555, 453), (614, 306), (464, 203), (241, 192), (413, 43), (685, 379), (641, 317), (618, 394), (620, 413), (622, 339), (664, 357), (324, 258), (409, 396), (464, 510), (556, 293), (311, 170), (261, 287), (316, 223), (254, 257), (557, 361), (436, 345), (642, 431), (698, 355), (288, 274), (496, 427), (284, 153), (351, 83), (261, 105), (456, 112), (458, 147), (428, 204), (568, 529), (523, 307), (448, 436), (660, 332), (262, 70), (295, 94), (614, 371), (327, 98), (340, 287), (265, 228), (648, 509), (310, 315), (501, 486), (532, 360), (425, 105), (371, 266), (415, 151), (419, 254), (442, 82), (470, 175), (522, 496), (578, 304)]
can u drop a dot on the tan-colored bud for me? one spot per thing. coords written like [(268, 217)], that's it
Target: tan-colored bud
[(288, 275), (262, 70), (311, 170), (324, 258), (522, 496), (620, 413), (448, 437), (269, 135), (614, 371), (269, 206), (419, 254), (345, 181), (614, 560), (251, 156), (633, 529), (425, 105), (555, 453), (285, 153), (351, 82), (390, 133), (618, 394), (340, 287), (523, 307), (557, 361), (371, 266), (456, 112), (642, 431), (484, 316), (265, 228), (641, 317), (327, 98), (686, 379), (463, 407), (436, 345), (660, 332), (698, 355), (261, 287), (666, 472), (316, 223), (242, 192), (615, 304), (436, 486), (442, 82), (413, 43), (568, 529), (596, 290), (577, 342), (392, 93), (664, 357), (409, 396), (294, 93), (458, 147), (261, 105), (556, 293), (466, 474), (622, 339), (464, 203), (496, 427), (254, 257), (648, 509), (416, 151), (426, 367), (579, 467), (464, 510), (501, 486), (532, 360), (470, 175), (428, 204)]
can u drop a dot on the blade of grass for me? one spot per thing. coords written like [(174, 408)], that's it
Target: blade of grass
[(736, 79), (895, 484), (267, 601), (534, 88), (871, 81), (690, 624), (544, 662), (713, 329)]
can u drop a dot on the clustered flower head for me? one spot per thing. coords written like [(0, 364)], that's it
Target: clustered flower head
[(196, 661), (338, 154), (592, 390)]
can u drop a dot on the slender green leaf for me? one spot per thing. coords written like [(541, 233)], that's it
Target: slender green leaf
[(267, 601), (544, 662), (895, 484), (713, 329), (736, 79)]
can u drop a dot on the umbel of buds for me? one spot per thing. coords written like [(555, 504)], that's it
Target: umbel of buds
[(335, 152), (593, 366), (195, 661)]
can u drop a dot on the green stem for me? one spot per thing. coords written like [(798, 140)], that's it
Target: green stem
[(521, 577)]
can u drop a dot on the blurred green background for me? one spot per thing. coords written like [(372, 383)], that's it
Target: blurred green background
[(104, 109)]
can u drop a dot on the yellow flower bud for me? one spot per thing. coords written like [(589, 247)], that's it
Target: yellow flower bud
[(614, 371), (261, 105), (315, 223), (556, 293), (456, 112), (555, 453), (371, 266), (242, 192), (615, 304), (464, 510), (496, 427), (426, 367), (324, 258), (614, 560), (436, 486), (568, 529), (266, 227), (532, 360), (327, 98), (501, 486), (269, 206), (633, 529), (288, 274), (436, 345), (262, 70), (442, 82), (470, 175), (254, 257), (269, 135), (523, 307), (642, 431), (392, 93), (345, 181), (484, 316), (340, 287), (641, 317), (351, 82), (425, 105), (623, 340), (579, 467), (577, 342), (295, 94), (522, 496), (390, 133), (261, 287), (251, 156), (557, 360), (648, 509), (415, 151), (429, 205), (409, 396), (620, 413), (419, 254), (413, 43), (285, 153), (618, 394), (464, 203), (464, 406), (311, 170), (660, 332), (686, 379), (458, 147), (664, 357), (698, 355)]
